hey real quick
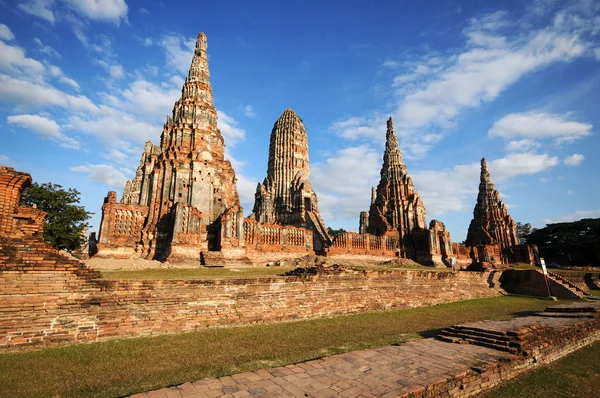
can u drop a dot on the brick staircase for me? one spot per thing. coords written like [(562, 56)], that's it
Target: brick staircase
[(519, 338), (568, 285)]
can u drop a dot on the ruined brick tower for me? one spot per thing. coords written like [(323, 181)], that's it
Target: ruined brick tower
[(183, 194), (395, 205), (286, 195), (491, 224)]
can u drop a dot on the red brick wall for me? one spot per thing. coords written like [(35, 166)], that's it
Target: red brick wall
[(58, 306)]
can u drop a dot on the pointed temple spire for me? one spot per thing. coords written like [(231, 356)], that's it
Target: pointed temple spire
[(396, 204), (491, 223), (185, 183)]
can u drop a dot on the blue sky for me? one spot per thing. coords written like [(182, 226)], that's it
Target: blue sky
[(84, 83)]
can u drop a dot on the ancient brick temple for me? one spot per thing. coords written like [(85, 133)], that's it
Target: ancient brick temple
[(397, 211), (183, 198), (395, 205), (286, 195), (492, 229)]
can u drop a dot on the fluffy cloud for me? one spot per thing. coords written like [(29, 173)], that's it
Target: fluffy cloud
[(178, 50), (6, 33), (525, 145), (116, 72), (14, 61), (44, 127), (452, 190), (539, 125), (145, 99), (433, 91), (344, 182), (232, 134), (100, 10), (574, 160), (39, 8), (44, 49), (103, 174), (111, 125), (25, 95)]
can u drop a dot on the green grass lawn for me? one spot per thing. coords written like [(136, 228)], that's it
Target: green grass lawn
[(577, 375), (195, 273), (126, 366)]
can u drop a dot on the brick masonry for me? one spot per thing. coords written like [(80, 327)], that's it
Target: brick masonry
[(61, 304)]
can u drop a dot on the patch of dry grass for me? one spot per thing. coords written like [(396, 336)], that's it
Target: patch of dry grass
[(127, 366)]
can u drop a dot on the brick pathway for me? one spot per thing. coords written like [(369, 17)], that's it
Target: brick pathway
[(410, 369), (388, 371)]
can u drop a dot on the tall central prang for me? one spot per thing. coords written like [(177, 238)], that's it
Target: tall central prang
[(185, 185)]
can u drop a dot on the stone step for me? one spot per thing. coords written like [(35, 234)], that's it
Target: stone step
[(478, 332)]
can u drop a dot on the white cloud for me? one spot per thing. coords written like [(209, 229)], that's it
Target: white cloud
[(144, 11), (452, 190), (249, 111), (574, 160), (55, 71), (569, 192), (6, 33), (44, 49), (343, 182), (39, 8), (4, 160), (543, 180), (105, 174), (577, 215), (232, 134), (539, 125), (24, 95), (145, 99), (111, 125), (116, 72), (525, 145), (101, 10), (44, 127), (179, 51), (14, 61)]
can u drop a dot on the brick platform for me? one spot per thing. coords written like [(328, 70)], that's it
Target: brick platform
[(422, 368)]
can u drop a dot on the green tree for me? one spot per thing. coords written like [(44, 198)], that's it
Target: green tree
[(569, 243), (66, 219), (523, 231), (334, 233)]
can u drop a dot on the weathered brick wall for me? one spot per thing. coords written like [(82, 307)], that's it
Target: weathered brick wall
[(364, 244), (64, 304), (532, 283)]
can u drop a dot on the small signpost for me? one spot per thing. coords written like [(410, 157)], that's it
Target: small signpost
[(545, 271)]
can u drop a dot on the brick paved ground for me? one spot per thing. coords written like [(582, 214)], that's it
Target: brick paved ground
[(414, 368), (387, 371)]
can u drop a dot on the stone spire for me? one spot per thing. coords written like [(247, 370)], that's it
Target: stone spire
[(186, 182), (286, 195), (491, 222), (396, 205)]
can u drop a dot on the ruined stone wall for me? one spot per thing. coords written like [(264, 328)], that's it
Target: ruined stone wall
[(59, 305), (276, 238), (121, 227), (364, 244)]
